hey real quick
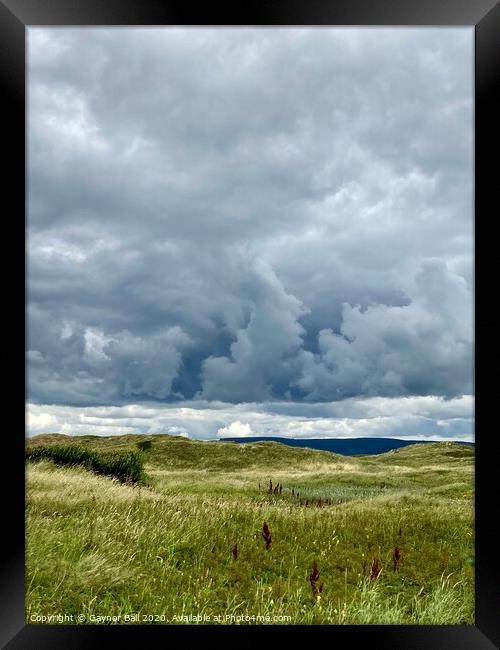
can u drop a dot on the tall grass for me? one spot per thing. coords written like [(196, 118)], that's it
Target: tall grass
[(195, 542), (123, 465)]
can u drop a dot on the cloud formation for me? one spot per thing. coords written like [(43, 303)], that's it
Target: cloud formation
[(421, 348), (249, 215), (427, 418)]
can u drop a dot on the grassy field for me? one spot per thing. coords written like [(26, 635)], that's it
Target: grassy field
[(188, 546)]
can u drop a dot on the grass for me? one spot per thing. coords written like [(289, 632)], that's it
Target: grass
[(192, 543), (121, 464)]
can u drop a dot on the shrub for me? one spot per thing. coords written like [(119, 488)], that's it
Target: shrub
[(144, 445), (123, 465)]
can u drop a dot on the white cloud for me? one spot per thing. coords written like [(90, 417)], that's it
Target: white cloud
[(413, 418), (42, 421), (236, 429)]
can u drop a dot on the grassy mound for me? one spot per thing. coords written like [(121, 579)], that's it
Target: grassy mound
[(175, 452)]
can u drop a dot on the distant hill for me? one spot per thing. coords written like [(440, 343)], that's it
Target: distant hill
[(177, 452), (345, 446)]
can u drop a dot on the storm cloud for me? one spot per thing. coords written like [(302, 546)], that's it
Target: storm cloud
[(249, 216)]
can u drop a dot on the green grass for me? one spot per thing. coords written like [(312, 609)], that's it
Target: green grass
[(123, 465), (98, 547)]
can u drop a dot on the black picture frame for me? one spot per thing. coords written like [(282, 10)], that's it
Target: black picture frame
[(481, 15)]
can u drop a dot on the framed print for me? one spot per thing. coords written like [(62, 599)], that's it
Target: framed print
[(251, 279)]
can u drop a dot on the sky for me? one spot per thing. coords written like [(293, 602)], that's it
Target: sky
[(250, 231)]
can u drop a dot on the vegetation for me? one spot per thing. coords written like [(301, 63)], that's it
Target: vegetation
[(123, 465), (144, 445), (383, 539)]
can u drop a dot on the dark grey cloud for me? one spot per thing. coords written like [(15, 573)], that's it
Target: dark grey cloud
[(249, 214)]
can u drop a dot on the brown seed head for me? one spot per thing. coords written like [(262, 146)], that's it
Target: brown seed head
[(316, 586), (266, 534), (375, 570)]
